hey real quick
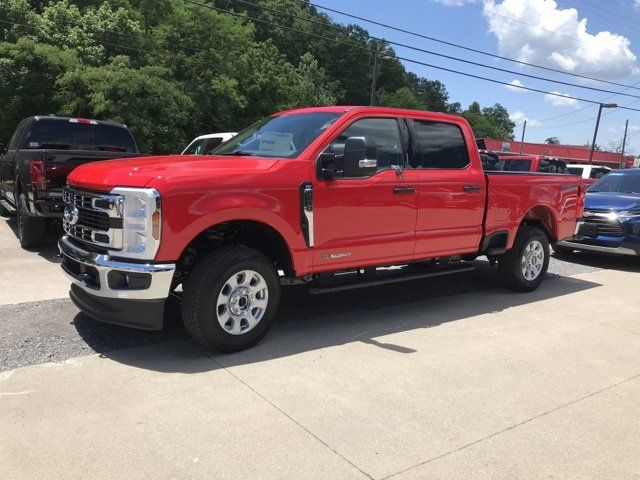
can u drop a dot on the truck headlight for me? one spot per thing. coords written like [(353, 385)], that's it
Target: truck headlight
[(141, 221)]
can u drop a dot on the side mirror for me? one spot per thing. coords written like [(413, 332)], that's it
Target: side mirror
[(327, 167), (359, 157)]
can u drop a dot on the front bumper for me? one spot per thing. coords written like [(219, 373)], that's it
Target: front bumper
[(627, 245), (112, 291)]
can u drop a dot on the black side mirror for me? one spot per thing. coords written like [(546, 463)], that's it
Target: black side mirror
[(328, 166), (360, 157)]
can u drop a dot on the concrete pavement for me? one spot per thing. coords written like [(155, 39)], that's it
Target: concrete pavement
[(487, 384)]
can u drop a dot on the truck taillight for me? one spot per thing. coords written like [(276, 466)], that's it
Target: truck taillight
[(38, 178)]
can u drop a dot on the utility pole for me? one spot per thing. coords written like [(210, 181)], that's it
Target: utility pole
[(595, 132), (524, 129), (624, 144), (374, 78)]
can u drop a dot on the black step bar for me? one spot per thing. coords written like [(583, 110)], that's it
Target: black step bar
[(388, 279)]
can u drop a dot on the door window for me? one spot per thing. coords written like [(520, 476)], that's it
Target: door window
[(15, 140), (383, 133), (195, 148), (437, 145)]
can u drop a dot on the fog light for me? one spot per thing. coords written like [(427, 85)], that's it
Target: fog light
[(128, 281)]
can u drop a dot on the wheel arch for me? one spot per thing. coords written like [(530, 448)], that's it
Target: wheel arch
[(542, 216)]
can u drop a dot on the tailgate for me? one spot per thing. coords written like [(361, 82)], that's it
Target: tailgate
[(60, 163)]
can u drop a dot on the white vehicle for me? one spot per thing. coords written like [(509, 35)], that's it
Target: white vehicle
[(588, 172), (205, 144)]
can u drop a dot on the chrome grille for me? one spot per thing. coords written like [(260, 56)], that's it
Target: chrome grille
[(605, 226), (99, 218)]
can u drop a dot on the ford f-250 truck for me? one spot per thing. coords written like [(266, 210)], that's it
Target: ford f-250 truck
[(42, 152), (293, 198)]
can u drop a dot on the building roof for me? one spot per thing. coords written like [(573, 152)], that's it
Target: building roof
[(574, 153)]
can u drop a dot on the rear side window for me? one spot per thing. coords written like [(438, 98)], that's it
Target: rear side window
[(65, 135), (437, 145), (552, 166), (599, 172), (575, 171), (514, 165), (15, 140)]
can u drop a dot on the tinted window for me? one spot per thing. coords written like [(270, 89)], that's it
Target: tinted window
[(552, 166), (212, 144), (13, 144), (618, 182), (195, 148), (514, 165), (78, 136), (438, 145), (383, 133), (599, 172), (575, 170), (283, 136)]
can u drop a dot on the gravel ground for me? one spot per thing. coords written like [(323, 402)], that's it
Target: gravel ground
[(54, 331)]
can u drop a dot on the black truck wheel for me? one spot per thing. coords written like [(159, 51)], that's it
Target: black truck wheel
[(230, 299), (524, 266), (30, 229)]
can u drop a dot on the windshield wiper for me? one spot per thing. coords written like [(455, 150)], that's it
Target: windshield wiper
[(238, 153)]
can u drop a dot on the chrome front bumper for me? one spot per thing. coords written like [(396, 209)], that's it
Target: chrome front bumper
[(76, 261)]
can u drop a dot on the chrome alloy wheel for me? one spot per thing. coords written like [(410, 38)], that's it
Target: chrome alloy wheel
[(532, 260), (242, 302)]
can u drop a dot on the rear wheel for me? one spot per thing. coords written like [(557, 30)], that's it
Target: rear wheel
[(524, 266), (230, 299), (30, 229)]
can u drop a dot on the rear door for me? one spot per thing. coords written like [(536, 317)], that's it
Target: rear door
[(367, 220), (452, 190)]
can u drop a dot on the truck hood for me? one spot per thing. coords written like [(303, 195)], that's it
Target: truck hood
[(138, 172), (612, 201)]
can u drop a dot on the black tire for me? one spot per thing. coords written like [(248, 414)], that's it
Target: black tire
[(30, 229), (560, 250), (510, 264), (200, 298)]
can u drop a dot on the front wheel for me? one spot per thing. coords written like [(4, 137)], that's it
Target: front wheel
[(524, 266), (230, 299)]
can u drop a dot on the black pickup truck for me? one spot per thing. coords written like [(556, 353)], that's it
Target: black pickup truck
[(41, 153)]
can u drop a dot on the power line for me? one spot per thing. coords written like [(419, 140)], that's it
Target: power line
[(463, 47), (614, 14), (410, 60), (448, 57)]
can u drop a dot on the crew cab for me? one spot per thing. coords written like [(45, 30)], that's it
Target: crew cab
[(530, 163), (328, 197), (35, 164), (611, 219)]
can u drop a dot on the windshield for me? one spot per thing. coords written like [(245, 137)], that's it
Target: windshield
[(59, 134), (618, 182), (284, 136)]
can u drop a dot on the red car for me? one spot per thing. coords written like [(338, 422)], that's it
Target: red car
[(530, 163), (297, 197)]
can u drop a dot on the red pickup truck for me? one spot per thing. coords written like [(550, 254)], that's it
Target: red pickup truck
[(297, 198)]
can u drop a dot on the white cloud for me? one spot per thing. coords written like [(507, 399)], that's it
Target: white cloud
[(519, 117), (565, 101), (455, 3), (517, 82), (538, 31)]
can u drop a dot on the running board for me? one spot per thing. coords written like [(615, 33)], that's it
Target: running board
[(403, 277), (8, 206)]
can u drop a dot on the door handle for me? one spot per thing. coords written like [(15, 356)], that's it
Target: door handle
[(472, 188), (404, 190)]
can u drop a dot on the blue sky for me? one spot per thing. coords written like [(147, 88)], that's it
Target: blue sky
[(576, 35)]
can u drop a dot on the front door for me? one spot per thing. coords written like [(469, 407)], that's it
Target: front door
[(7, 161), (361, 221)]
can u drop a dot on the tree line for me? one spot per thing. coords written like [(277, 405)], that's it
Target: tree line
[(171, 69)]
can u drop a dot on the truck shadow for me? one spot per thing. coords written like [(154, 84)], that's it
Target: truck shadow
[(604, 261), (49, 249), (307, 322)]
